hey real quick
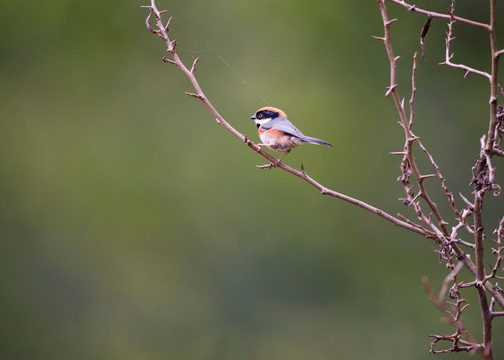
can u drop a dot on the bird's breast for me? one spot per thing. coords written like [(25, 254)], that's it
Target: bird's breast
[(278, 140)]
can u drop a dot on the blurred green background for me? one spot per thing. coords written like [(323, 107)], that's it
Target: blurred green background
[(134, 227)]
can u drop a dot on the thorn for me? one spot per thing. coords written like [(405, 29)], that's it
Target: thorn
[(422, 177), (166, 60), (397, 153), (390, 89), (194, 95), (412, 138), (415, 198), (397, 57), (193, 68), (266, 166), (391, 21), (167, 27), (378, 38)]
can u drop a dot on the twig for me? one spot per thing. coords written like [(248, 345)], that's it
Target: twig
[(498, 251), (434, 14), (449, 56)]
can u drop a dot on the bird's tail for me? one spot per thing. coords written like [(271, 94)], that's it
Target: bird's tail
[(316, 141)]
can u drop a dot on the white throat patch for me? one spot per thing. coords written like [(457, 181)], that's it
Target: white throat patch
[(261, 121)]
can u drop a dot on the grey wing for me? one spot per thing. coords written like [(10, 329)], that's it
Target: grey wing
[(282, 124), (287, 127)]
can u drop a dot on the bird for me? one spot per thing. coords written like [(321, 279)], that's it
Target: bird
[(278, 133)]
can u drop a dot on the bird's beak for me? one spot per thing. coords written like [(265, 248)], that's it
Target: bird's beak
[(253, 117)]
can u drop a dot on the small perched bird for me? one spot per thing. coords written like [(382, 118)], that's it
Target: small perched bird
[(278, 133)]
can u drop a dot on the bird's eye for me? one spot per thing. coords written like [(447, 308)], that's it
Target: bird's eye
[(260, 116)]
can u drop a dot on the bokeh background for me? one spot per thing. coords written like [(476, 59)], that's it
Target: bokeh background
[(134, 227)]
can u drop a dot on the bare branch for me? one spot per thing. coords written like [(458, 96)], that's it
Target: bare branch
[(193, 67), (449, 56), (434, 14), (162, 32)]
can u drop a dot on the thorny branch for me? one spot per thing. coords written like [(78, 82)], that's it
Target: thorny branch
[(162, 31), (453, 313), (433, 14), (449, 55), (483, 179), (455, 250)]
